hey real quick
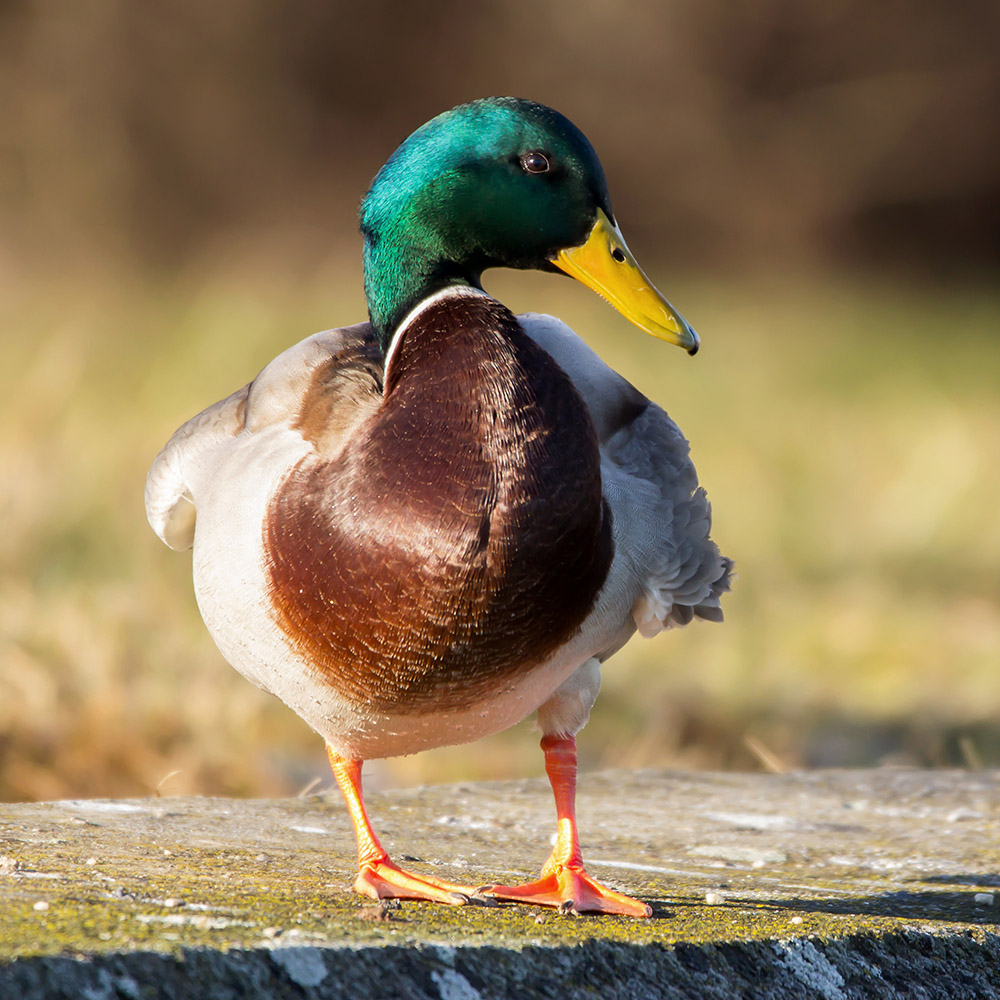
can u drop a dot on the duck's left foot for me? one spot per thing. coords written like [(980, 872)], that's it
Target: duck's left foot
[(571, 889), (378, 877), (381, 879)]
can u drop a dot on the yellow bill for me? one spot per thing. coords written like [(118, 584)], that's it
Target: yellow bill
[(605, 265)]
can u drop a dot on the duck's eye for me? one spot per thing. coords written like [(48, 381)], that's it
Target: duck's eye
[(535, 163)]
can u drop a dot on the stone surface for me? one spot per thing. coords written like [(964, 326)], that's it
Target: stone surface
[(829, 884)]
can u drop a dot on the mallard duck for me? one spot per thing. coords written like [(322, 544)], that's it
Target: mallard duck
[(418, 530)]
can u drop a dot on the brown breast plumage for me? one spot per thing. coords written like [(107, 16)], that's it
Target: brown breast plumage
[(459, 536)]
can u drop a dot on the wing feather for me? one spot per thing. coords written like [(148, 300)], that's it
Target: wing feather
[(170, 506), (275, 396), (662, 516)]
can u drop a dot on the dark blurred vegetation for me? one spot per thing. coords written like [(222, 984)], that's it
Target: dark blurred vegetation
[(845, 129), (816, 185)]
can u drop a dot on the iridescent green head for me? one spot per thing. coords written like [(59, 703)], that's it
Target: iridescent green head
[(498, 182)]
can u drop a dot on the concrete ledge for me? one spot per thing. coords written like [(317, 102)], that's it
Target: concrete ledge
[(879, 883), (907, 965)]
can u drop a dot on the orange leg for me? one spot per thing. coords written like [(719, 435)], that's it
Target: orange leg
[(564, 882), (378, 877)]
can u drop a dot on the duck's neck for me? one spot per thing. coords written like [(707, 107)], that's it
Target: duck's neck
[(402, 272)]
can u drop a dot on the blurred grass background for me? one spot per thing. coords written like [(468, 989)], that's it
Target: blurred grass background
[(816, 187)]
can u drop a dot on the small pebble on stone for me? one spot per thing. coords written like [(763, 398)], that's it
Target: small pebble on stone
[(984, 899), (90, 862), (796, 920), (960, 814), (171, 902), (714, 898), (41, 906), (382, 910)]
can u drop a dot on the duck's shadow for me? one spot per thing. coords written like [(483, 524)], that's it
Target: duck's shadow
[(956, 905), (979, 880)]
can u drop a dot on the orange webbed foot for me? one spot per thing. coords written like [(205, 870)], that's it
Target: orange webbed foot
[(386, 880), (565, 883), (379, 877), (571, 889)]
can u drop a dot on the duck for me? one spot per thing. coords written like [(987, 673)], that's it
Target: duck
[(418, 530)]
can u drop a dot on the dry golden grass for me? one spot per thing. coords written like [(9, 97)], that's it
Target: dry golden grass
[(847, 433)]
